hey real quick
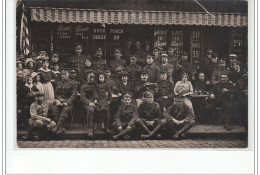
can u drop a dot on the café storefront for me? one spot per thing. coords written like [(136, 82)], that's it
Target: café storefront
[(112, 24)]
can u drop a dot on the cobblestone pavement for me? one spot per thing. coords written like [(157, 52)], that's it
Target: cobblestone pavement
[(190, 143)]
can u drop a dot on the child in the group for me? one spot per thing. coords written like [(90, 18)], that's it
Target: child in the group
[(37, 80), (103, 97), (133, 69), (150, 116), (152, 69), (29, 66), (165, 93), (125, 117)]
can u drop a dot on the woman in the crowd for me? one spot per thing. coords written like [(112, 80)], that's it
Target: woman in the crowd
[(47, 77), (183, 89)]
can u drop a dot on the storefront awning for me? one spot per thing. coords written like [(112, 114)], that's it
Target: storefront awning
[(137, 17)]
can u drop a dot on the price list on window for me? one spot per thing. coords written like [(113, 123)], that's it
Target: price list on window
[(160, 40), (177, 41), (195, 45)]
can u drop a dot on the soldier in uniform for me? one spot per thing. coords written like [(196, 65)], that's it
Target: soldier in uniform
[(217, 73), (87, 96), (143, 86), (152, 69), (99, 63), (173, 58), (222, 93), (133, 69), (117, 60), (125, 117), (179, 118), (77, 62), (211, 65), (165, 66), (66, 93), (184, 66), (150, 116), (165, 93)]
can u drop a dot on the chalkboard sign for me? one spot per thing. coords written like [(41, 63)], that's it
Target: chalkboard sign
[(160, 40), (99, 38), (195, 45), (177, 41), (65, 38), (116, 36)]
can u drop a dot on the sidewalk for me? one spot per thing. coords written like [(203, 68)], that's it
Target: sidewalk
[(77, 132)]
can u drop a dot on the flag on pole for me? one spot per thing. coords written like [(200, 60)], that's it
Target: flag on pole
[(24, 35)]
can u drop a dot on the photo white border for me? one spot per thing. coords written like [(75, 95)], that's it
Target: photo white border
[(123, 161)]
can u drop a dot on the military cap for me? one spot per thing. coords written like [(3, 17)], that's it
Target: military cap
[(124, 73), (132, 57), (127, 95), (222, 61), (164, 55), (163, 72), (90, 73), (143, 72), (106, 69), (119, 68), (72, 71), (64, 72), (148, 94)]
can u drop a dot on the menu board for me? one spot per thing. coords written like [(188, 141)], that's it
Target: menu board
[(160, 40), (116, 39), (99, 38), (65, 38), (195, 45), (177, 41), (237, 43)]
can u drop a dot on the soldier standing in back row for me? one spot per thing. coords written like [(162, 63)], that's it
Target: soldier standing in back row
[(99, 63)]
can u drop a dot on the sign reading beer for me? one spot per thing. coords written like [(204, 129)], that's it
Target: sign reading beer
[(82, 32), (177, 41), (64, 31), (99, 33), (195, 45), (160, 40)]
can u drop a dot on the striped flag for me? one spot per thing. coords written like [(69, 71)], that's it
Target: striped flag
[(24, 35)]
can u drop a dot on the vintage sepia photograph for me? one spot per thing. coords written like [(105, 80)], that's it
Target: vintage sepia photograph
[(132, 74)]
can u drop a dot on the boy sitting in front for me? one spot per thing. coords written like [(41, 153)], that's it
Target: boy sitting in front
[(150, 116)]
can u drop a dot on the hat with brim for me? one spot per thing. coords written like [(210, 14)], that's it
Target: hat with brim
[(34, 74), (127, 95), (29, 60), (124, 73)]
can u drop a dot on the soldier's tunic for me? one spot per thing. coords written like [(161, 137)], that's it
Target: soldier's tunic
[(66, 90), (98, 64), (114, 63), (134, 71), (88, 95), (142, 86), (165, 88), (153, 72), (216, 75), (169, 69), (126, 115)]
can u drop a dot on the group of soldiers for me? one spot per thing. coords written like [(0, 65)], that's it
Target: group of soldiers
[(135, 91)]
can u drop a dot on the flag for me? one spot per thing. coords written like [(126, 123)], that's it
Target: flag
[(24, 35)]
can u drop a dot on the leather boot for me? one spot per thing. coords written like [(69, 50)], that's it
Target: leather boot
[(145, 127), (122, 133), (185, 128), (156, 129), (59, 124)]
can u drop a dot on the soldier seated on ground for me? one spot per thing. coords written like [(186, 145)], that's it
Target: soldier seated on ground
[(40, 121), (179, 118), (150, 116), (66, 93), (125, 117)]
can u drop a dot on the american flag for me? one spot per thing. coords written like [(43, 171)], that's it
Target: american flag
[(24, 35)]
